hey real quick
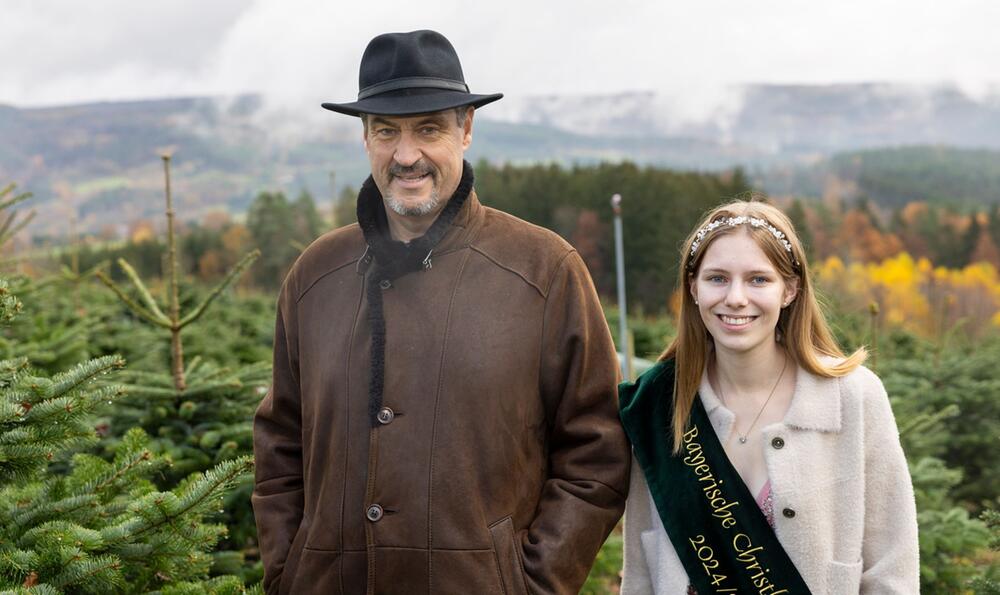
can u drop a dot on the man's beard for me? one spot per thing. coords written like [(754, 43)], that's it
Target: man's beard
[(425, 208)]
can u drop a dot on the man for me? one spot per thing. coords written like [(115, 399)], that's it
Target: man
[(442, 417)]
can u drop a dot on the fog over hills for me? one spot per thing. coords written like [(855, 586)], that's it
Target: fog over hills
[(99, 162), (780, 121)]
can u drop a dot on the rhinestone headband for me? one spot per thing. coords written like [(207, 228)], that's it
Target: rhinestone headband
[(733, 222)]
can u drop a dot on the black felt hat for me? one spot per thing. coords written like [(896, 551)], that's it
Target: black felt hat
[(410, 73)]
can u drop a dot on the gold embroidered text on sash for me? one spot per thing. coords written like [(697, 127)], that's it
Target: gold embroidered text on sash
[(741, 542)]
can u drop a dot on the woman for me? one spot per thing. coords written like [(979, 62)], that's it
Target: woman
[(765, 460)]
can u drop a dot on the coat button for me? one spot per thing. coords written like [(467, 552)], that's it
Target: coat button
[(778, 442), (789, 513), (385, 416), (385, 284), (374, 513)]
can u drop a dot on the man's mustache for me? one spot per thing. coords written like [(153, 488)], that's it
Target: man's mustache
[(417, 169)]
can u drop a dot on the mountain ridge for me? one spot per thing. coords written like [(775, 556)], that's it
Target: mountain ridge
[(98, 162)]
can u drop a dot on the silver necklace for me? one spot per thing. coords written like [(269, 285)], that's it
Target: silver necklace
[(743, 437)]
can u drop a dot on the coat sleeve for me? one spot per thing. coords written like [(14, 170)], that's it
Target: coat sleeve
[(277, 443), (890, 551), (584, 495)]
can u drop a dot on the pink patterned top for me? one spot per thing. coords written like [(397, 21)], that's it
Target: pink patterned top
[(765, 501)]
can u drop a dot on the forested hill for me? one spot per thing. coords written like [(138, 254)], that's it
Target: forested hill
[(893, 177), (99, 163)]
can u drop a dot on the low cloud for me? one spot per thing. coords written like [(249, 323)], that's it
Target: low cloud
[(299, 53)]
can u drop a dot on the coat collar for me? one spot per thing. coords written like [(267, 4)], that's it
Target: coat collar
[(816, 403), (465, 226), (462, 231)]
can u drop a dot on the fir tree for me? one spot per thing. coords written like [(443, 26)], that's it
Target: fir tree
[(797, 215), (12, 221), (272, 225), (309, 225), (989, 582), (947, 416), (344, 209), (198, 411), (102, 527), (77, 523)]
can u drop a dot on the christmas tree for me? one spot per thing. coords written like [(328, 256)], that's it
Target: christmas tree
[(102, 526), (198, 411), (73, 522)]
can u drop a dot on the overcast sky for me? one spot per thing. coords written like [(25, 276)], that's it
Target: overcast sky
[(306, 51)]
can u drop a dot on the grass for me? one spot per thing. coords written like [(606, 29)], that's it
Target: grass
[(605, 576)]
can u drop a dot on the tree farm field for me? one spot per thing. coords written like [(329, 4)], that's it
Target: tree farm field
[(152, 349)]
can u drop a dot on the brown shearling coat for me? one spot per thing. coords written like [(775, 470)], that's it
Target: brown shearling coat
[(503, 467)]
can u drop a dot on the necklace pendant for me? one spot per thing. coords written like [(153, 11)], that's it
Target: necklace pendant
[(743, 439)]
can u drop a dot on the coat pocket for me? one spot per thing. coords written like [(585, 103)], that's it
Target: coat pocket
[(844, 579), (508, 557), (316, 571), (290, 570)]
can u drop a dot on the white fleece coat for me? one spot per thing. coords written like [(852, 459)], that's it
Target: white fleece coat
[(843, 500)]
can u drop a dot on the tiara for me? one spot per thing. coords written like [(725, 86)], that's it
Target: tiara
[(733, 222)]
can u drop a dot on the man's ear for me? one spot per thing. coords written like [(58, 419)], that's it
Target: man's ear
[(467, 128)]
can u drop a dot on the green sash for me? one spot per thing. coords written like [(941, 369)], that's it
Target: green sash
[(721, 536)]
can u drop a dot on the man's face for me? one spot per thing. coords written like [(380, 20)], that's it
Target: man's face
[(416, 161)]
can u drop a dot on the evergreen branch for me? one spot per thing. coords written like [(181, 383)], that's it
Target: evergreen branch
[(105, 567), (154, 392), (924, 421), (69, 275), (6, 234), (38, 445), (11, 412), (70, 380), (10, 368), (33, 589), (228, 384), (194, 366), (198, 495), (40, 510), (144, 295), (141, 384), (139, 310), (20, 561), (93, 270), (201, 372), (53, 533), (9, 304), (133, 551), (219, 585), (6, 223), (242, 265), (69, 407), (6, 203), (215, 481), (119, 470), (143, 378)]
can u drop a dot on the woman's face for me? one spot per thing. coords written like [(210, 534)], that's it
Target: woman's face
[(739, 294)]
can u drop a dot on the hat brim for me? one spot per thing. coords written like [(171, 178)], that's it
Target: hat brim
[(408, 102)]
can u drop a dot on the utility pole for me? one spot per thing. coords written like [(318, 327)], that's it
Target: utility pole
[(333, 200), (623, 336)]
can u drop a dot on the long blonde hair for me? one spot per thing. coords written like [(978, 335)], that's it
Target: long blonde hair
[(802, 325)]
